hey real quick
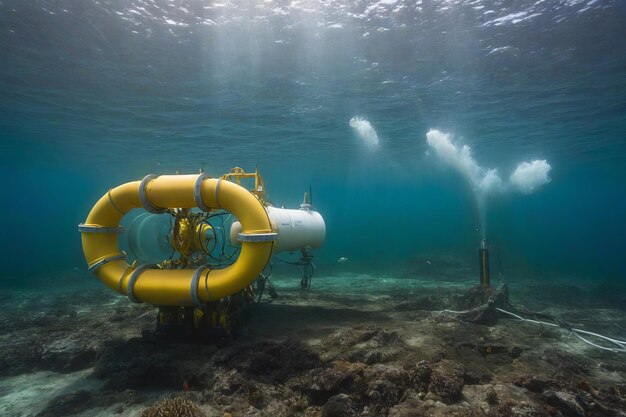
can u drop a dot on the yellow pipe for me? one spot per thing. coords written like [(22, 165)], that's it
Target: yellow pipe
[(172, 287)]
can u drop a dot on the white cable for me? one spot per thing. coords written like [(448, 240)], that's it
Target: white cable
[(622, 345), (452, 311), (598, 346), (617, 342), (528, 320)]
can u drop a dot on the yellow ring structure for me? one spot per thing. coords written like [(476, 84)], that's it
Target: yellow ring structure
[(172, 286)]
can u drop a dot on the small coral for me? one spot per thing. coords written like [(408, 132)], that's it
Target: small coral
[(339, 405), (447, 381), (173, 407), (421, 375), (503, 410), (383, 394), (491, 396)]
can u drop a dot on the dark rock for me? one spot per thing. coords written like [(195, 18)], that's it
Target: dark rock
[(339, 406), (515, 352), (408, 408), (383, 394), (447, 380), (604, 402), (503, 410), (351, 337), (387, 386), (525, 409), (565, 402), (567, 362), (322, 383), (230, 387), (374, 356), (224, 387), (532, 383), (491, 396), (421, 375), (133, 364), (614, 367), (20, 358), (375, 346), (270, 362), (477, 377), (397, 376), (254, 394), (138, 363), (492, 349), (66, 405), (68, 355), (387, 337), (370, 357), (369, 345)]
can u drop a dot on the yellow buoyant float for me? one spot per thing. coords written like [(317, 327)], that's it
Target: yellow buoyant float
[(177, 287)]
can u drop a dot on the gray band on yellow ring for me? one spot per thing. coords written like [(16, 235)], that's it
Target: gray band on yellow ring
[(193, 289), (257, 237), (121, 280), (197, 192), (96, 228), (145, 202), (206, 283), (217, 193), (133, 278), (96, 265)]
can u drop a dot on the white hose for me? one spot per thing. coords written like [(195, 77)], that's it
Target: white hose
[(617, 342), (453, 311), (598, 346), (621, 344)]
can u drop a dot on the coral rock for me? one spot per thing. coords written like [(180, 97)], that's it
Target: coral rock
[(408, 408), (447, 380), (339, 406), (565, 402), (174, 407), (322, 383)]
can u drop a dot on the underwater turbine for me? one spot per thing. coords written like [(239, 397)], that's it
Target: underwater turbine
[(184, 284)]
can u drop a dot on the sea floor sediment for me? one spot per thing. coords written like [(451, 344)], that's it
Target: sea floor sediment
[(352, 345)]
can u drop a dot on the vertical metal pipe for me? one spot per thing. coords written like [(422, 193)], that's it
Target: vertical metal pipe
[(483, 259)]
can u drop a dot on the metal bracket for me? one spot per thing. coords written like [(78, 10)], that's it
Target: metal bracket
[(133, 278), (257, 237), (96, 265), (145, 202), (197, 192), (193, 289), (217, 193), (96, 228), (121, 280)]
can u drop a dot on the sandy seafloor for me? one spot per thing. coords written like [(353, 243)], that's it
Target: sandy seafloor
[(352, 345)]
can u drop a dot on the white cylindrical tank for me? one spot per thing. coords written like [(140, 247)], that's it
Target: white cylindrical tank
[(296, 229)]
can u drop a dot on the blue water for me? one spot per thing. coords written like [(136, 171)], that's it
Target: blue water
[(97, 93)]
